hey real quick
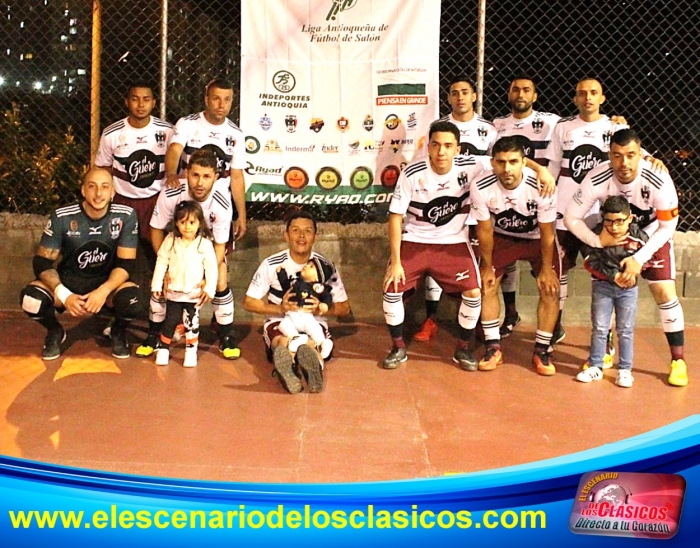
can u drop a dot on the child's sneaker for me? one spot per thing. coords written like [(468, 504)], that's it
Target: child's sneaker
[(325, 348), (624, 378), (162, 356), (592, 373), (296, 342), (190, 357)]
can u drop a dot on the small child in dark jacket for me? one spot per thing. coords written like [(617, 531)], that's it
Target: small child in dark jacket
[(300, 325), (607, 295)]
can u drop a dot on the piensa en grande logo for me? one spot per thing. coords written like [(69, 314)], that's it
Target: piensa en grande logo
[(628, 504)]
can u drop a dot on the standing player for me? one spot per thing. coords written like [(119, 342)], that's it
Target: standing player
[(198, 187), (133, 150), (579, 144), (654, 203), (515, 223), (433, 194), (476, 136), (533, 130), (212, 130), (94, 242)]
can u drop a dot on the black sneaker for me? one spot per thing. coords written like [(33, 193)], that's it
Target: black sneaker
[(52, 343), (120, 348), (509, 323), (558, 335), (148, 347), (284, 369), (310, 365), (395, 357), (229, 348), (464, 359)]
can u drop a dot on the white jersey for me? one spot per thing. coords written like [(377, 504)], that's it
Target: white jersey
[(225, 140), (577, 147), (476, 137), (136, 156), (435, 206), (266, 282), (533, 132), (652, 197), (217, 210), (516, 212)]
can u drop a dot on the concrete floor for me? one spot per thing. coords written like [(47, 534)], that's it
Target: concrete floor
[(231, 421)]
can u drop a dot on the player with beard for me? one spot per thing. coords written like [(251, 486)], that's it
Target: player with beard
[(133, 150), (83, 263), (580, 143), (211, 129), (515, 223), (654, 203)]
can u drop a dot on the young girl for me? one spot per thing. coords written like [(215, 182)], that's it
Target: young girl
[(187, 255)]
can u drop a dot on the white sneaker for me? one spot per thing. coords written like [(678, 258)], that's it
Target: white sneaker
[(190, 357), (590, 374), (296, 342), (162, 356), (325, 348), (624, 378)]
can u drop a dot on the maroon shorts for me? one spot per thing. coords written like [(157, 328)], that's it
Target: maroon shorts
[(144, 209), (271, 329), (662, 265), (570, 247), (474, 241), (507, 250), (452, 266)]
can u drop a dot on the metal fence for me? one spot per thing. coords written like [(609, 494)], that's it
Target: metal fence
[(641, 50)]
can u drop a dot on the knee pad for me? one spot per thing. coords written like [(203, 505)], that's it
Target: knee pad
[(127, 303), (36, 302)]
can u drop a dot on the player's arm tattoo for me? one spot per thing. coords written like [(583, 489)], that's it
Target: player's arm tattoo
[(49, 277)]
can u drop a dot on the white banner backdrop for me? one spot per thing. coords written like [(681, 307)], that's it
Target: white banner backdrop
[(336, 95)]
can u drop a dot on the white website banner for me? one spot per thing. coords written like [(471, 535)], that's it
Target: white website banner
[(336, 95)]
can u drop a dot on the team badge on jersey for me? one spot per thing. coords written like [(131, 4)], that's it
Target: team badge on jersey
[(368, 124), (160, 138), (230, 141), (291, 122), (531, 206), (537, 125), (607, 136), (212, 218), (265, 122), (481, 132), (115, 228), (462, 179), (645, 194), (73, 229)]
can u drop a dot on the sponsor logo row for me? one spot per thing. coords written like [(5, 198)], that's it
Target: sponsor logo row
[(292, 123), (329, 178), (253, 146)]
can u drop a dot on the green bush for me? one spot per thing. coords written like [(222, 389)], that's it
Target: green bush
[(38, 172)]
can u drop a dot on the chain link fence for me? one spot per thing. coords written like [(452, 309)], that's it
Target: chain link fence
[(641, 51)]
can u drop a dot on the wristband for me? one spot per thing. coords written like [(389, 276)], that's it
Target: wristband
[(62, 293)]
